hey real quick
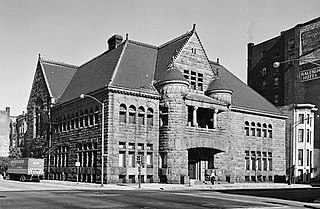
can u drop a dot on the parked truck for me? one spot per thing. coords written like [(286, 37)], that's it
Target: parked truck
[(25, 169)]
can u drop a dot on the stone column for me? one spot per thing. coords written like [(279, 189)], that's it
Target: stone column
[(194, 121)]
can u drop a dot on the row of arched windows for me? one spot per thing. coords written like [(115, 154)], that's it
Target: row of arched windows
[(81, 119), (258, 129), (139, 116)]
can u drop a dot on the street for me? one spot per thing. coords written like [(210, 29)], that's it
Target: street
[(36, 195)]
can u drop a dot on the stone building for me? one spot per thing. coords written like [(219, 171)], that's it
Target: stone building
[(185, 116), (4, 132), (49, 82), (285, 70)]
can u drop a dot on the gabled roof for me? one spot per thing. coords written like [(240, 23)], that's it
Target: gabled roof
[(57, 76), (243, 96), (168, 51)]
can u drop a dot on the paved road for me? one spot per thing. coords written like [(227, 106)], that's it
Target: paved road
[(32, 195)]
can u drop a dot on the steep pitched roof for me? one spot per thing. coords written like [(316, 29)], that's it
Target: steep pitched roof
[(167, 51), (57, 76), (136, 67), (93, 75), (243, 96)]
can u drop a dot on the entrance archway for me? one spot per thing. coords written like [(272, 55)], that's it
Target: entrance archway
[(201, 162)]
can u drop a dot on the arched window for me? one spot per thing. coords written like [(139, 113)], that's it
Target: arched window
[(132, 114), (72, 121), (68, 122), (96, 115), (86, 118), (81, 119), (141, 114), (123, 113), (270, 131), (264, 130), (253, 129), (259, 129), (64, 126), (60, 124), (76, 120), (150, 117), (246, 128), (91, 117)]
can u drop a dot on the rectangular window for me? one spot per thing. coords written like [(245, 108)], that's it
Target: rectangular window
[(265, 164), (308, 135), (308, 158), (301, 118), (300, 157), (300, 135), (131, 160), (247, 162), (149, 160), (140, 146), (121, 159), (253, 163), (276, 81), (270, 164), (308, 119)]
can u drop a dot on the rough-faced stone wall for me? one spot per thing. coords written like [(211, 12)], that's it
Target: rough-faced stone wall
[(233, 161), (39, 91)]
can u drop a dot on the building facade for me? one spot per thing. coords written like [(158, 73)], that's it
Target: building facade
[(285, 70), (300, 142), (182, 114), (5, 132)]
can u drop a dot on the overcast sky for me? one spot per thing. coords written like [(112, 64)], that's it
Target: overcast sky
[(75, 31)]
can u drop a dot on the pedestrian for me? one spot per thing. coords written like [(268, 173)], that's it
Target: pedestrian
[(212, 178)]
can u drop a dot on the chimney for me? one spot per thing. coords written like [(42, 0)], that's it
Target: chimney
[(8, 110), (114, 41)]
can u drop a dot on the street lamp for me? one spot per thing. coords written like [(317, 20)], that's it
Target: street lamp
[(309, 60), (102, 134)]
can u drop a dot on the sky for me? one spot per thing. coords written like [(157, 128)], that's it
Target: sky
[(75, 31)]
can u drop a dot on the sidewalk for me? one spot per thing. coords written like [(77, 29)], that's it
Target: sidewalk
[(163, 186)]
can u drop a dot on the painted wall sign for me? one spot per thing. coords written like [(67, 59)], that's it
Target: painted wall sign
[(310, 74), (309, 37)]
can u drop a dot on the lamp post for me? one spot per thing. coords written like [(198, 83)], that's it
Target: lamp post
[(102, 134), (309, 60)]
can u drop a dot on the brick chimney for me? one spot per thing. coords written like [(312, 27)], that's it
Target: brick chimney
[(114, 41)]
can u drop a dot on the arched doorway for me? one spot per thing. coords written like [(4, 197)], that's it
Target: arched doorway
[(201, 162)]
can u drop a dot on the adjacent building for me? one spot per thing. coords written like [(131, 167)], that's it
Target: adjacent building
[(285, 70), (182, 115), (4, 132)]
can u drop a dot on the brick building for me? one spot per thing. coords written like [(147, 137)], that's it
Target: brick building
[(184, 115), (295, 78)]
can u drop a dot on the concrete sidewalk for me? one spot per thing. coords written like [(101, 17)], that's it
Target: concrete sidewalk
[(162, 186)]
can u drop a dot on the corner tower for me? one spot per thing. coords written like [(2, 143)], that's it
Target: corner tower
[(174, 156)]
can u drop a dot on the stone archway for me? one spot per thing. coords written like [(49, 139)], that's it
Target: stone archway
[(201, 162)]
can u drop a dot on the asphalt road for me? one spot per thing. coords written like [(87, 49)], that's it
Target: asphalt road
[(31, 195)]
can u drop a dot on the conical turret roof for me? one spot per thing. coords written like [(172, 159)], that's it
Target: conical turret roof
[(218, 84)]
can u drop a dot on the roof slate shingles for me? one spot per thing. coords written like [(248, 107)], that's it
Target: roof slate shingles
[(58, 76), (243, 96)]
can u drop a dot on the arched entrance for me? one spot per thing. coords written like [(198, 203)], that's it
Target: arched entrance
[(201, 162)]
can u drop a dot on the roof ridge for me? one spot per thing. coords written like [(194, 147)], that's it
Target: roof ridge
[(143, 44), (176, 39), (58, 63)]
